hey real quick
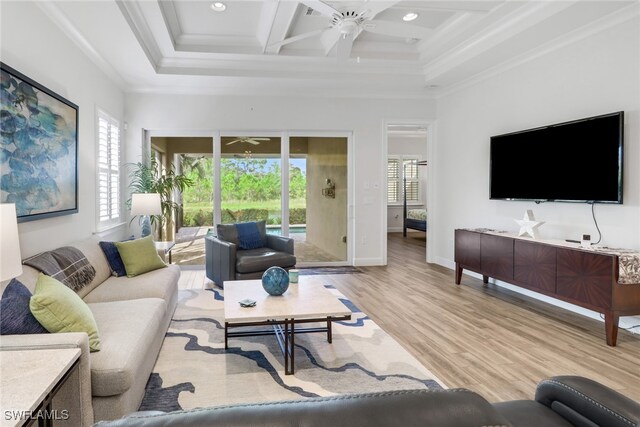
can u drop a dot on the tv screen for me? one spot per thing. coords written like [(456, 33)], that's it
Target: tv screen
[(577, 161)]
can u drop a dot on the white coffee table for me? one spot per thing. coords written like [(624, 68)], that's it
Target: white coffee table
[(305, 302)]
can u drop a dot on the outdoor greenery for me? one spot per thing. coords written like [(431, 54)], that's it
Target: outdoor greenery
[(250, 191), (150, 179)]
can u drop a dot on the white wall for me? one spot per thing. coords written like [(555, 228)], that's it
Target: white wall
[(598, 74), (33, 45), (364, 117), (407, 145)]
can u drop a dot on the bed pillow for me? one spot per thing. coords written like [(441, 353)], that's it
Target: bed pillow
[(139, 256), (15, 315), (249, 236), (60, 309)]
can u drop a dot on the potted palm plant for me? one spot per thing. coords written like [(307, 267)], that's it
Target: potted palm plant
[(151, 179)]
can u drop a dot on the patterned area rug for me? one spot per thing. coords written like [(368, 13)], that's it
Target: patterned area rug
[(194, 370)]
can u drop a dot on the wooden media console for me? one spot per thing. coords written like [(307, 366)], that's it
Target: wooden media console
[(561, 270)]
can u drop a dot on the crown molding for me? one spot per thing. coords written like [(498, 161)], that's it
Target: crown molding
[(61, 21), (141, 30), (507, 27), (592, 28)]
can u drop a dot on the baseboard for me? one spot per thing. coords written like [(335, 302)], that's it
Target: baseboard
[(365, 262), (625, 322)]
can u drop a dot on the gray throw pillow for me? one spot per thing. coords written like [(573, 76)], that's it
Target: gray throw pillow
[(228, 233)]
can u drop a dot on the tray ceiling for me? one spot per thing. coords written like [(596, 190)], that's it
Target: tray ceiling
[(185, 46)]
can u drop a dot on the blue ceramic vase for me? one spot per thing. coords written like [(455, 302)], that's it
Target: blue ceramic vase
[(275, 281)]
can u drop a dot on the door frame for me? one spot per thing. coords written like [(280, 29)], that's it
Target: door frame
[(430, 125)]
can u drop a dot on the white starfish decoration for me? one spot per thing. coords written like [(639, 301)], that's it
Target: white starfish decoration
[(529, 225)]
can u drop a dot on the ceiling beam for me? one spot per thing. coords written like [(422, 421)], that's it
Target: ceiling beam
[(280, 26)]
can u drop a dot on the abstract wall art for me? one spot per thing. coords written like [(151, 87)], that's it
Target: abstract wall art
[(38, 148)]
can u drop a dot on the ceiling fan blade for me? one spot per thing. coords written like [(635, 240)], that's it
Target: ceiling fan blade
[(345, 43), (396, 29), (299, 37), (329, 39), (233, 142), (321, 7), (252, 141), (371, 8), (261, 139)]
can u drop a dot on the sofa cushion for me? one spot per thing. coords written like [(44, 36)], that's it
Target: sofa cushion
[(139, 256), (528, 413), (113, 257), (260, 259), (15, 315), (59, 309), (127, 330), (91, 249), (160, 283)]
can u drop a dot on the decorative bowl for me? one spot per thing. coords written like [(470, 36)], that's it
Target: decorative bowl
[(275, 281)]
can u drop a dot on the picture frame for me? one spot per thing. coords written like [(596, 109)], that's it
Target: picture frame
[(38, 148)]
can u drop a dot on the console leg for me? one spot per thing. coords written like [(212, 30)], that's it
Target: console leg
[(458, 273), (485, 279), (611, 327)]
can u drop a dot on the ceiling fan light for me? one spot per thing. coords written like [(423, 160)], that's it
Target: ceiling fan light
[(411, 16), (218, 6)]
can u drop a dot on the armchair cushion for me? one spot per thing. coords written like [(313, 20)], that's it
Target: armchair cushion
[(228, 233), (249, 236), (253, 260)]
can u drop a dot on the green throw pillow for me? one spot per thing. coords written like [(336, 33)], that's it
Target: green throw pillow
[(139, 256), (59, 309)]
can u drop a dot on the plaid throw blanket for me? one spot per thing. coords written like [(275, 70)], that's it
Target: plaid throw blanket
[(66, 264)]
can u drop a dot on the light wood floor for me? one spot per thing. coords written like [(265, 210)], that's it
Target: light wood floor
[(488, 339)]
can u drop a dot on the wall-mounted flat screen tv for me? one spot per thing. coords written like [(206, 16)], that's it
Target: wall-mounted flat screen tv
[(577, 161)]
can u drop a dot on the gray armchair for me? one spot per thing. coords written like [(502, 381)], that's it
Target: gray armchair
[(226, 261)]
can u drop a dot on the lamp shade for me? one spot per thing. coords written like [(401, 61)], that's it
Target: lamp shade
[(10, 263), (145, 204)]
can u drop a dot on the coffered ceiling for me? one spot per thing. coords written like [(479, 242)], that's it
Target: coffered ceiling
[(288, 47)]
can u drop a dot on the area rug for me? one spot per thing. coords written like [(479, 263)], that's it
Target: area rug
[(314, 271), (194, 369)]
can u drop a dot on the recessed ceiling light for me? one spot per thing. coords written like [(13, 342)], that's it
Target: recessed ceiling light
[(218, 6), (410, 16)]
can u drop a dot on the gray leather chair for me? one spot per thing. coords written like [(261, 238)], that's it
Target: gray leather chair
[(226, 261), (559, 401)]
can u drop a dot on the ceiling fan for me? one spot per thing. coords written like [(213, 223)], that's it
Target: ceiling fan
[(347, 23), (250, 140)]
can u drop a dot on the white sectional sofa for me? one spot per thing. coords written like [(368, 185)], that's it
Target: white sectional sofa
[(132, 315)]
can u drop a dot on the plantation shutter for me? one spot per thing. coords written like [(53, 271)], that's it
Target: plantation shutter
[(108, 170), (411, 174), (393, 180)]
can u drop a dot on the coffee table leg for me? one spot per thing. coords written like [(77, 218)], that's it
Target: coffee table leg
[(286, 347), (293, 342), (226, 336), (329, 333)]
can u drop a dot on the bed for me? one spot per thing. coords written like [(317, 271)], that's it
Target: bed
[(416, 219)]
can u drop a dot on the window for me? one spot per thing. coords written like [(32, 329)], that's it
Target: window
[(400, 168), (108, 170)]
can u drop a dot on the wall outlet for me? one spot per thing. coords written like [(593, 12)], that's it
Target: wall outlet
[(344, 239)]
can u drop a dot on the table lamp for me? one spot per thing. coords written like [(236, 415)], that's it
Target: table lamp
[(10, 262), (145, 205)]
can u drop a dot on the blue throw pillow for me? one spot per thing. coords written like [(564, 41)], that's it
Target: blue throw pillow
[(113, 257), (15, 315), (249, 236)]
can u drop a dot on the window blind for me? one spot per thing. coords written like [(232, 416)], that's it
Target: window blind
[(108, 170)]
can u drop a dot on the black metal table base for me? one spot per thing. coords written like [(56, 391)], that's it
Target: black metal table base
[(285, 332)]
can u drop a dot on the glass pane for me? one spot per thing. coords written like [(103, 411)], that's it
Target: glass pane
[(318, 198), (250, 181)]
